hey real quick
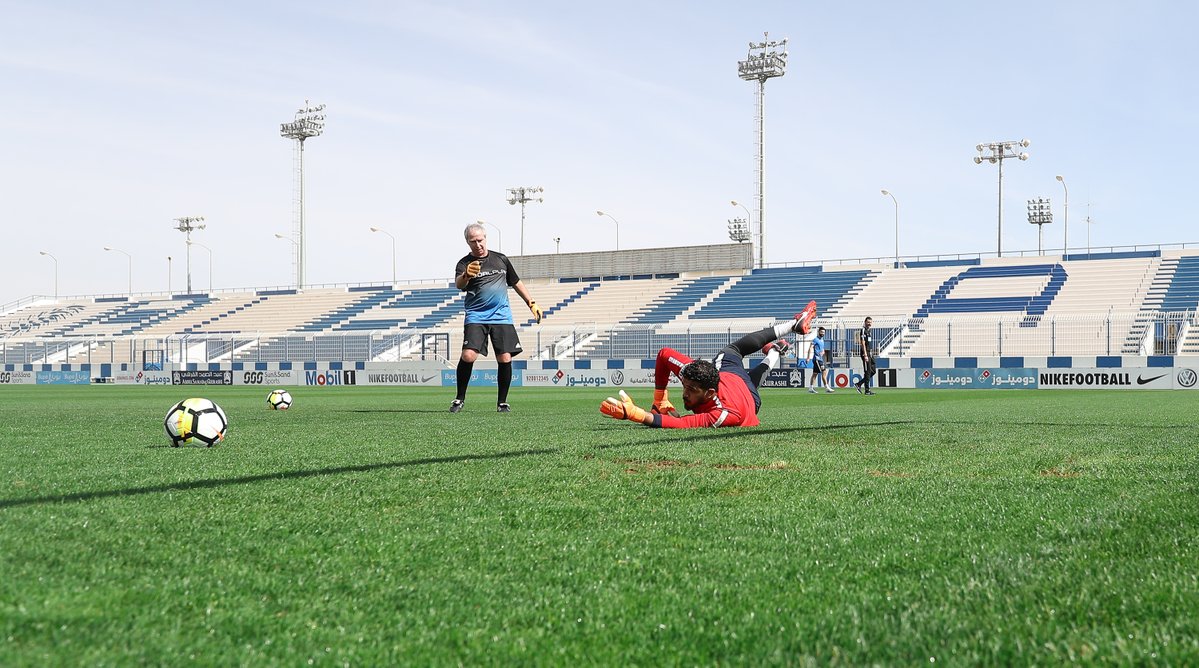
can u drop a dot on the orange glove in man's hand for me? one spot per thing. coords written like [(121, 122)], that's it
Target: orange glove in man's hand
[(623, 409), (473, 269)]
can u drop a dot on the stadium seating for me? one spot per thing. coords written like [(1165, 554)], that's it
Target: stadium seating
[(1115, 303)]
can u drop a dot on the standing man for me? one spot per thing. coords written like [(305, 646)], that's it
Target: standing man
[(866, 350), (486, 276), (720, 393), (819, 369)]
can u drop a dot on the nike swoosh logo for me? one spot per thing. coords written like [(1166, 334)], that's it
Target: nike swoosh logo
[(1142, 381), (425, 380)]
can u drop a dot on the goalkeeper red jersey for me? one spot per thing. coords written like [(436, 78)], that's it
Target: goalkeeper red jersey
[(733, 407)]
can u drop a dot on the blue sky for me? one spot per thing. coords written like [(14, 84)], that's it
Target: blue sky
[(121, 116)]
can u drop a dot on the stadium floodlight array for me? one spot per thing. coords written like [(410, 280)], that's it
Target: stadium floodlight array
[(739, 230), (309, 122), (1040, 214), (187, 225), (766, 60), (1000, 151), (523, 195)]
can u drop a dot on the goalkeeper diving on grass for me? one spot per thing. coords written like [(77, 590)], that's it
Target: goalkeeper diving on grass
[(720, 393)]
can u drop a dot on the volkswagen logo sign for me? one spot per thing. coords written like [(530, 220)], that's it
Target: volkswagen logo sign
[(1187, 378), (617, 377)]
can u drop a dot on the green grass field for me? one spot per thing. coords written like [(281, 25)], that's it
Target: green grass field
[(367, 526)]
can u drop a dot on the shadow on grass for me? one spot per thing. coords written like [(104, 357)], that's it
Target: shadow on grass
[(282, 475)]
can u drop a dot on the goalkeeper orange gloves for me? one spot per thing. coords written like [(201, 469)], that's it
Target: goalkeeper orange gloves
[(537, 314), (623, 409), (662, 404), (473, 269)]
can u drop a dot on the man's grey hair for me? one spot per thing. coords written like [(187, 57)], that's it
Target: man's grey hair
[(471, 228)]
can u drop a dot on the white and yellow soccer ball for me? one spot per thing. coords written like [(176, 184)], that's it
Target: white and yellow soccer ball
[(279, 400), (196, 422)]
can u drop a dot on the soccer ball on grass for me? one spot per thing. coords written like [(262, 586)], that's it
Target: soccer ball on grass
[(196, 422), (279, 400)]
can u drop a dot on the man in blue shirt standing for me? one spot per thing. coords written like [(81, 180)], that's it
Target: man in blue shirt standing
[(486, 276), (819, 369)]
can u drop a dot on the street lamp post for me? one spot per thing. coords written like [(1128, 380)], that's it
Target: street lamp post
[(523, 195), (499, 234), (1000, 151), (736, 233), (1065, 215), (601, 213), (187, 225), (557, 245), (393, 251), (1040, 213), (197, 243), (888, 193), (128, 257), (168, 274), (55, 271), (309, 122), (294, 245), (765, 61)]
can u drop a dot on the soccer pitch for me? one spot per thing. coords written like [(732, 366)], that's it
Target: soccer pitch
[(368, 526)]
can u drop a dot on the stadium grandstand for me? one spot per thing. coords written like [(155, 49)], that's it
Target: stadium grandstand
[(627, 304)]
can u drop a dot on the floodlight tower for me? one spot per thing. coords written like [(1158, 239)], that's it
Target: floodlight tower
[(523, 195), (1039, 214), (309, 122), (1000, 151), (765, 61), (187, 225)]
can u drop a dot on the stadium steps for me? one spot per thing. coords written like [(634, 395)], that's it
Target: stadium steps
[(677, 301), (1154, 297), (1040, 303), (681, 299), (193, 329), (330, 321), (776, 294), (578, 294)]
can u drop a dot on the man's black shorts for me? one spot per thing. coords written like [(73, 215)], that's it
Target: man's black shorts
[(503, 337), (817, 365)]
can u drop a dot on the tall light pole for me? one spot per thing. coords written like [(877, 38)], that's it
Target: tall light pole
[(187, 225), (523, 195), (499, 242), (309, 122), (888, 193), (1000, 151), (557, 245), (197, 243), (393, 252), (128, 257), (1040, 213), (601, 213), (168, 274), (764, 62), (1065, 216), (55, 271)]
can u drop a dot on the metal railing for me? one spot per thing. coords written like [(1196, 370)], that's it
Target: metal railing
[(1133, 333)]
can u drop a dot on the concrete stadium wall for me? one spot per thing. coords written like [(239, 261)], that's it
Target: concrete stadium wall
[(724, 258)]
